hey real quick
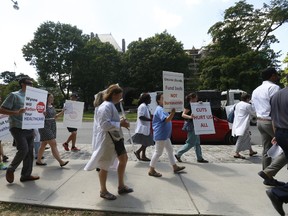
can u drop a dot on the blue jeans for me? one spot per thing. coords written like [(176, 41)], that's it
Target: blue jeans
[(193, 140)]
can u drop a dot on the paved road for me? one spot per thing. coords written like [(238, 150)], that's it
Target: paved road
[(215, 153)]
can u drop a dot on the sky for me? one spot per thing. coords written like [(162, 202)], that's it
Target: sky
[(187, 20)]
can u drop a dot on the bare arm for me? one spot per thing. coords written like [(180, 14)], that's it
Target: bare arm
[(170, 117), (11, 112)]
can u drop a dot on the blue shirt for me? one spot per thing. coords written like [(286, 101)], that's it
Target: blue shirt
[(161, 129), (15, 101)]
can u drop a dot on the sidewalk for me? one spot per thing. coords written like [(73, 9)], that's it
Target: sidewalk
[(225, 186)]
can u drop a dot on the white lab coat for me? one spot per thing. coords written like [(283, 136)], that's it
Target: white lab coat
[(143, 127), (106, 119), (242, 113)]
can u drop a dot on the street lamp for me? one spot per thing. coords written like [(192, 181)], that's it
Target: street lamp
[(15, 6)]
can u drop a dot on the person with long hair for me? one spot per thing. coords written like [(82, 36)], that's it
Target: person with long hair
[(109, 143), (48, 133), (192, 140), (162, 128), (143, 133)]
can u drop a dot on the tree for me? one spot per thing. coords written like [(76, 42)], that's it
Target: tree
[(144, 61), (96, 67), (284, 79), (53, 51), (241, 46)]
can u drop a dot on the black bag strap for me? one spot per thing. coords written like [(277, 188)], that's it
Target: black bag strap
[(111, 136)]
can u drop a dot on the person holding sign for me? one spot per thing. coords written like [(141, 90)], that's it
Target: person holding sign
[(48, 133), (240, 127), (73, 132), (193, 140), (13, 106), (162, 128)]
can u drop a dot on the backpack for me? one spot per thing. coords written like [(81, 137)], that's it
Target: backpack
[(230, 117)]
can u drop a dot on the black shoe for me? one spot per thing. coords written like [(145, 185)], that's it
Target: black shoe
[(178, 158), (273, 182), (41, 158), (202, 161), (278, 204), (270, 181), (5, 158)]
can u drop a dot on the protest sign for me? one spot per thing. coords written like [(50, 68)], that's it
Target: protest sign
[(35, 105), (202, 118), (173, 91), (4, 125), (73, 114)]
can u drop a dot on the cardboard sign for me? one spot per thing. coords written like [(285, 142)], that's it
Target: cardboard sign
[(173, 91), (202, 118), (4, 125), (35, 105), (73, 114)]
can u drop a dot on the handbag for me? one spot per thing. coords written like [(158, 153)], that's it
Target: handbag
[(116, 142), (188, 125), (231, 115)]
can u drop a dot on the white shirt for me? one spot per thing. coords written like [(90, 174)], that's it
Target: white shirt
[(261, 98), (143, 127)]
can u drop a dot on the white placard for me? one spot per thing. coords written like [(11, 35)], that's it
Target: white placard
[(227, 109), (202, 118), (73, 114), (34, 103), (173, 91), (4, 125)]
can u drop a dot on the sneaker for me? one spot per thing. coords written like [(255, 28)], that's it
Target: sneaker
[(2, 166), (66, 147), (75, 149)]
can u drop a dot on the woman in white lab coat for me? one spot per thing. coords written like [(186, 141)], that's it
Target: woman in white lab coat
[(107, 127), (241, 123)]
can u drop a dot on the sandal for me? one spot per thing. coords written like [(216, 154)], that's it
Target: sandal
[(178, 169), (40, 164), (64, 164), (107, 195), (253, 153), (125, 190), (155, 174), (239, 156), (137, 155)]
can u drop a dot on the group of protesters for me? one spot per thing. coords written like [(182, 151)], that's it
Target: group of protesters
[(268, 101)]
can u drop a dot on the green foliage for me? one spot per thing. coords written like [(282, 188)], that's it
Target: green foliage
[(96, 67), (241, 46), (144, 61), (52, 51)]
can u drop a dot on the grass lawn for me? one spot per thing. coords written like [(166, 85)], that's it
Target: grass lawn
[(89, 116)]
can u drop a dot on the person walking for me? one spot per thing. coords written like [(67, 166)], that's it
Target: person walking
[(13, 106), (162, 128), (261, 102), (279, 116), (143, 134), (73, 132), (48, 133), (193, 140), (240, 129), (109, 142)]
